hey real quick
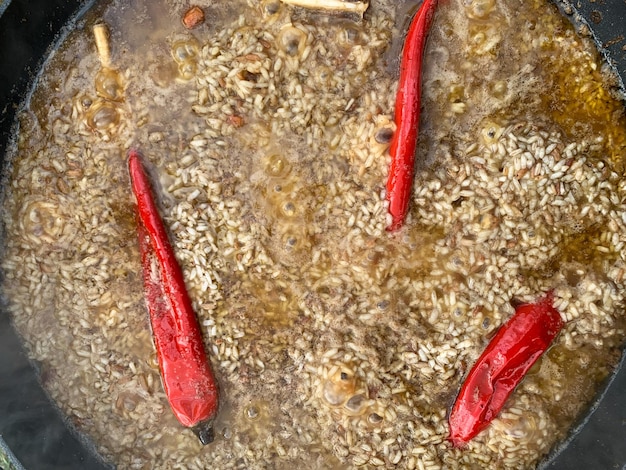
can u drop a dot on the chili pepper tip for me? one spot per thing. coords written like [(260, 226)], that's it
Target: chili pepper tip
[(502, 366), (204, 431)]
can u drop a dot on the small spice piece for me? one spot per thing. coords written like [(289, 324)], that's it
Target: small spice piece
[(186, 374), (235, 120), (407, 116), (193, 17), (501, 367)]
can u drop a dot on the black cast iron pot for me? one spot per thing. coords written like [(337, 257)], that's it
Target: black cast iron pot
[(34, 434)]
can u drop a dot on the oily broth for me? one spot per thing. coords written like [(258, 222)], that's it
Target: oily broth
[(335, 343)]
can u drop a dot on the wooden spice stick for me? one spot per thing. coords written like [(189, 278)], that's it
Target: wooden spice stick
[(351, 6), (101, 35)]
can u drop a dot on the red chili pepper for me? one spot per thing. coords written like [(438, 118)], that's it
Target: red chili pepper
[(186, 373), (407, 116), (513, 350)]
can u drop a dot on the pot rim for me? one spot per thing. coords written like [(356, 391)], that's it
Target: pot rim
[(573, 452)]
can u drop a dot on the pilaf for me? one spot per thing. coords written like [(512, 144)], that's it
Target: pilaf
[(336, 344)]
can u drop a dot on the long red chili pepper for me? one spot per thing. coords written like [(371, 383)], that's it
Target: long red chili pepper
[(186, 374), (407, 116), (513, 350)]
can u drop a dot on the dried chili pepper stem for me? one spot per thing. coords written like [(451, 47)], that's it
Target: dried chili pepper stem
[(186, 374), (501, 367), (407, 116)]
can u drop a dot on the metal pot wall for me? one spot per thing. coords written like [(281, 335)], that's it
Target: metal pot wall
[(34, 433)]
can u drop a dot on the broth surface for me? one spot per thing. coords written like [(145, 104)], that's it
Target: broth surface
[(335, 343)]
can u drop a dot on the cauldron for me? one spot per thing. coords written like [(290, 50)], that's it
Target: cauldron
[(34, 434)]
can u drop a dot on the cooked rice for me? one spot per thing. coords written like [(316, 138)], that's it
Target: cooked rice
[(336, 344)]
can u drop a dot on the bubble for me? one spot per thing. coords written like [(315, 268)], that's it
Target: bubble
[(42, 221), (227, 433), (573, 276), (290, 241), (349, 34), (456, 93), (184, 51), (355, 403), (163, 73), (187, 70), (491, 132), (359, 80), (103, 115), (383, 305), (126, 401), (276, 165), (333, 395), (85, 102), (108, 85), (252, 412), (339, 388), (480, 38), (291, 41), (479, 9), (522, 428), (384, 135), (289, 209), (323, 75), (271, 7), (484, 38)]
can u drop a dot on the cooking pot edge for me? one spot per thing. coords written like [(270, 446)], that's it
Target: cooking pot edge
[(54, 26)]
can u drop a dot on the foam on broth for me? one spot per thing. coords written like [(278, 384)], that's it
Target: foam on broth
[(336, 344)]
